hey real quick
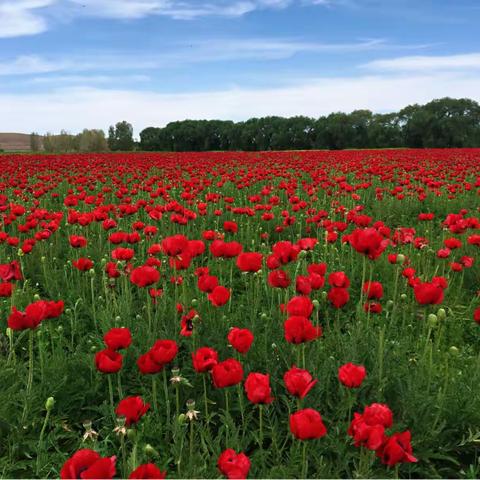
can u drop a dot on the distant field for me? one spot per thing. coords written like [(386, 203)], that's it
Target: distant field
[(15, 141)]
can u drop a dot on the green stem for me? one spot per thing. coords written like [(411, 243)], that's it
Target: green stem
[(119, 386), (205, 399), (110, 391), (260, 422), (304, 460), (124, 456), (154, 393), (30, 374), (191, 441), (227, 414), (167, 400), (40, 442)]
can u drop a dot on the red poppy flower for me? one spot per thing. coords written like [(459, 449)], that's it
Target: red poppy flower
[(240, 339), (204, 359), (257, 387), (83, 264), (428, 293), (10, 271), (397, 449), (108, 361), (378, 414), (374, 290), (132, 408), (147, 365), (87, 463), (219, 296), (300, 306), (298, 382), (34, 314), (249, 261), (300, 329), (370, 436), (230, 226), (368, 242), (175, 245), (206, 283), (307, 424), (227, 373), (6, 289), (233, 465), (144, 276), (351, 375), (77, 241), (118, 338), (123, 254), (338, 297), (338, 279), (476, 315), (112, 270), (148, 471), (164, 351), (278, 279)]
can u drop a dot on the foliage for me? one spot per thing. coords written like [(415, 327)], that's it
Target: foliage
[(441, 123)]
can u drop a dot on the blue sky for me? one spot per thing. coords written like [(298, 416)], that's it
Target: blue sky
[(89, 63)]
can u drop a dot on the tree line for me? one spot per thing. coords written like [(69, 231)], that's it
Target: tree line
[(442, 123), (120, 138)]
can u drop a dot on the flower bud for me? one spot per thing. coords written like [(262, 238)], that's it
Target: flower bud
[(150, 451), (316, 304), (400, 258), (49, 404), (131, 434), (441, 314), (432, 320), (403, 297), (91, 272), (181, 419), (453, 350), (389, 305), (194, 302), (36, 296), (264, 316)]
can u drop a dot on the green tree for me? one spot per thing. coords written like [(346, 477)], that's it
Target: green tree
[(35, 142), (120, 137)]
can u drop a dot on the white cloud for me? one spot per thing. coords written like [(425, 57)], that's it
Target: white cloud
[(28, 64), (213, 50), (22, 17), (77, 108), (29, 17), (425, 63), (180, 9)]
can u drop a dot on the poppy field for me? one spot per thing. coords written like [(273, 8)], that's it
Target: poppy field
[(240, 315)]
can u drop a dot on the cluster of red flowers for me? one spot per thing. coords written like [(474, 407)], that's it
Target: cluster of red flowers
[(8, 272), (34, 314), (368, 430)]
